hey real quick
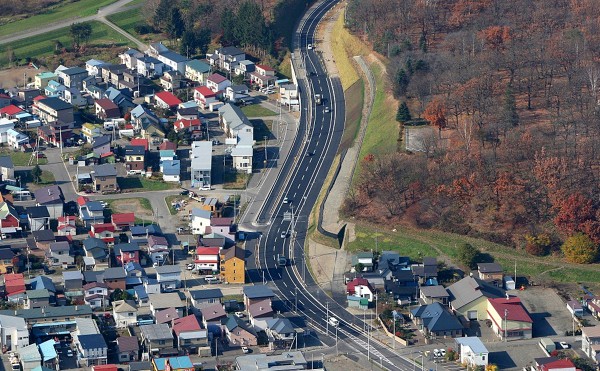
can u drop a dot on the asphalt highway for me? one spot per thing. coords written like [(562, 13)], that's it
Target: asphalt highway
[(295, 192)]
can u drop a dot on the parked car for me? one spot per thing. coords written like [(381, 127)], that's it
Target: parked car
[(190, 266), (437, 353), (240, 314), (564, 345), (246, 350)]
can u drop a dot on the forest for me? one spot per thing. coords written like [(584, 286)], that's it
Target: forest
[(510, 91)]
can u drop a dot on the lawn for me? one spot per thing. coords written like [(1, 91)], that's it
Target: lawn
[(143, 184), (21, 158), (66, 10), (354, 96), (256, 110), (128, 19), (26, 180), (345, 46), (262, 129), (235, 180), (43, 45)]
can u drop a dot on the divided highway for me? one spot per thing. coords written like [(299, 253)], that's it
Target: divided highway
[(295, 192)]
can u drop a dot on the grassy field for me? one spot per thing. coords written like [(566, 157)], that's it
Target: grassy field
[(140, 206), (345, 46), (127, 20), (416, 243), (172, 198), (255, 110), (20, 158), (67, 10), (262, 129), (43, 45), (382, 130), (354, 96), (143, 184), (235, 180)]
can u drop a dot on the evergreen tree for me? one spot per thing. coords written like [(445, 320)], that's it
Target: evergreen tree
[(175, 26), (402, 81), (162, 14), (228, 21), (403, 114), (36, 174)]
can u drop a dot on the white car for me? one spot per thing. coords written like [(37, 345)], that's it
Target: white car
[(190, 267), (334, 321), (443, 352), (564, 345), (285, 200), (245, 350), (326, 109), (309, 47), (283, 234), (437, 353), (240, 314)]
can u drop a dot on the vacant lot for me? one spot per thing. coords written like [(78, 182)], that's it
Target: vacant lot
[(256, 110), (548, 311), (66, 10), (235, 180), (21, 158), (45, 44), (133, 184), (128, 19), (139, 206)]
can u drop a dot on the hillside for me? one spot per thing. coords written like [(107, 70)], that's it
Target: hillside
[(511, 92)]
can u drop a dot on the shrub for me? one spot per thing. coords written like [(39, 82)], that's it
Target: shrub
[(580, 249), (537, 245)]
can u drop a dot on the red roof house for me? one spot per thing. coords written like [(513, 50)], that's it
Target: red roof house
[(139, 142), (360, 287), (123, 221), (183, 124), (10, 111), (165, 99), (107, 109), (559, 364), (207, 258), (186, 324), (167, 145), (82, 200), (104, 231), (14, 283), (508, 315)]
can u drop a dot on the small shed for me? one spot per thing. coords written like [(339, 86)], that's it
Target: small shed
[(356, 302), (509, 283), (548, 345)]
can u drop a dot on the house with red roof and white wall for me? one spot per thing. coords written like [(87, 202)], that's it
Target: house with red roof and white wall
[(166, 100), (263, 76), (207, 259), (510, 319), (203, 96), (217, 83), (360, 287)]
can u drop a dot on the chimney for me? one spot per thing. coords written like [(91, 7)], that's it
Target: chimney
[(507, 297)]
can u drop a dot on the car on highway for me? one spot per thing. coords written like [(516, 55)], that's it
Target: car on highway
[(333, 321), (309, 47), (564, 345), (286, 200), (326, 109), (284, 234)]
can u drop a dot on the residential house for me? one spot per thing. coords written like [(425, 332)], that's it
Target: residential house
[(575, 308), (128, 349), (59, 254), (166, 145), (284, 361), (239, 333), (38, 217), (432, 294), (74, 97), (6, 261), (134, 159), (472, 352), (101, 145), (190, 125), (166, 316), (207, 259), (42, 79), (129, 58), (590, 342), (91, 131), (158, 249), (150, 67), (121, 98), (50, 314), (92, 350), (554, 364), (426, 271), (42, 239), (55, 133), (103, 231), (10, 112), (204, 97), (205, 298), (16, 139), (14, 334), (140, 366), (106, 109), (226, 58), (233, 265), (217, 83), (201, 165), (14, 287), (187, 111), (114, 278), (71, 77), (171, 170), (196, 70), (212, 316), (127, 252), (434, 321), (491, 273), (288, 95), (166, 100), (94, 66), (104, 178), (122, 221), (510, 320), (263, 76), (360, 287), (261, 310), (200, 220), (73, 281), (240, 133), (90, 212), (281, 333), (156, 337), (141, 116), (66, 225), (244, 68), (166, 155), (169, 277), (29, 357), (124, 313), (51, 197), (171, 80), (189, 336), (5, 100), (365, 259), (95, 294), (9, 218), (172, 61), (37, 299), (97, 250), (468, 298), (256, 294), (235, 93), (54, 109), (135, 274), (182, 363)]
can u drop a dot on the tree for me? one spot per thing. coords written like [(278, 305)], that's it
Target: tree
[(537, 245), (435, 113), (359, 267), (580, 249), (172, 136), (36, 174), (402, 81), (193, 42), (80, 33), (403, 114), (227, 24), (175, 25), (511, 116), (119, 294), (468, 255), (161, 14)]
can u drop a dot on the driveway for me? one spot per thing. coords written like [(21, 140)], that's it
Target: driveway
[(548, 311)]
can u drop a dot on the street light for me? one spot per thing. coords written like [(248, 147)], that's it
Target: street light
[(505, 324)]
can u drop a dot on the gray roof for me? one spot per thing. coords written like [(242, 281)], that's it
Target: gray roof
[(140, 366), (234, 321), (50, 194), (135, 150), (280, 325), (166, 269), (165, 300), (436, 318), (105, 170), (60, 246), (258, 292), (284, 361), (55, 103), (206, 294), (156, 332), (50, 312), (489, 268), (201, 155), (175, 57), (45, 235), (201, 213), (36, 212), (114, 273), (72, 275), (434, 291), (74, 71), (101, 140), (126, 247), (230, 50), (213, 312), (92, 341), (469, 289), (42, 282), (6, 161), (38, 294)]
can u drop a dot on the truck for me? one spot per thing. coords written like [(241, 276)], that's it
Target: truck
[(318, 99)]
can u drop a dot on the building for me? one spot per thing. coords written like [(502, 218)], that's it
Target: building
[(42, 79), (92, 212), (128, 349), (575, 308), (52, 198), (200, 220), (124, 313), (67, 225), (156, 337), (280, 332), (233, 265), (434, 321), (134, 159), (103, 231), (590, 342), (189, 336), (491, 273), (92, 350), (239, 332), (16, 139), (472, 352), (212, 315), (172, 61), (106, 109), (37, 299), (217, 83), (166, 100), (59, 255), (123, 221), (182, 363), (158, 249), (207, 259), (71, 77), (226, 58), (169, 277), (54, 109), (204, 298), (256, 293), (239, 132), (510, 320), (38, 316), (204, 97), (361, 288), (284, 361), (129, 58), (201, 164), (171, 170), (263, 76), (196, 70), (468, 298), (13, 332), (104, 178), (114, 278), (127, 252), (431, 294), (365, 259), (6, 261)]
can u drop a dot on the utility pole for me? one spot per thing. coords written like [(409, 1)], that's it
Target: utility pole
[(327, 318), (296, 296), (265, 140), (394, 333), (505, 324)]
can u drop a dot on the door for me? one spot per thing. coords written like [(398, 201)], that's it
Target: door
[(472, 315)]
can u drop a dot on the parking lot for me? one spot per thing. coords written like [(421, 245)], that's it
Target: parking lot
[(548, 311)]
